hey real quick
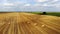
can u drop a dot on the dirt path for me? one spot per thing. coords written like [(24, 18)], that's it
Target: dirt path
[(25, 23)]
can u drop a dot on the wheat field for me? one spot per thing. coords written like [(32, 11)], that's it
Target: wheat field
[(26, 23)]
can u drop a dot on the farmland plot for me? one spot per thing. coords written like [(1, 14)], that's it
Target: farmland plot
[(25, 23)]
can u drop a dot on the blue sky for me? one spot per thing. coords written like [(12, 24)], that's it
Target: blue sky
[(30, 5)]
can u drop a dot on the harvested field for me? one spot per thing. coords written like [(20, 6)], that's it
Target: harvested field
[(26, 23)]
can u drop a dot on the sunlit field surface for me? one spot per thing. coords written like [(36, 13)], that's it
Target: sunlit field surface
[(28, 23)]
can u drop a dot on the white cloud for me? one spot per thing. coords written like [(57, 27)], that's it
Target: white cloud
[(27, 5), (53, 1), (19, 2), (57, 5), (8, 4), (52, 5), (45, 5), (56, 0), (41, 0), (36, 4)]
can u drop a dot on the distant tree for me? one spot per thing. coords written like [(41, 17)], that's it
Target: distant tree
[(44, 13)]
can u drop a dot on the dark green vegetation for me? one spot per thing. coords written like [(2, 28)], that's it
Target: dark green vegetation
[(48, 13)]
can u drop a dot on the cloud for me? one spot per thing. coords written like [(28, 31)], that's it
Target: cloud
[(52, 1), (56, 0), (57, 5), (27, 5), (41, 0), (37, 4), (8, 4), (45, 5)]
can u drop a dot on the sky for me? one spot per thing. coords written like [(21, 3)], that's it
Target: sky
[(30, 5)]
